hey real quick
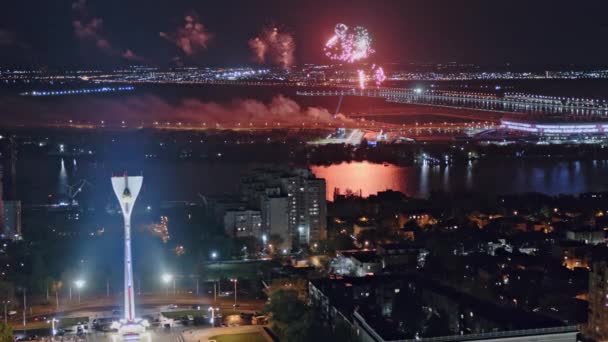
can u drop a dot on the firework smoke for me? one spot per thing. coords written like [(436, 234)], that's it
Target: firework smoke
[(153, 108), (131, 56), (273, 46), (6, 38), (91, 30), (192, 37)]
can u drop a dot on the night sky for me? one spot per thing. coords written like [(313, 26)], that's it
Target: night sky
[(539, 32)]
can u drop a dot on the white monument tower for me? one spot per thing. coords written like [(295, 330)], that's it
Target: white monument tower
[(126, 190)]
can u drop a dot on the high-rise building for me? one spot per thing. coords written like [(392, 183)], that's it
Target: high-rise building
[(291, 201), (597, 322), (243, 223), (11, 220), (275, 219), (307, 207)]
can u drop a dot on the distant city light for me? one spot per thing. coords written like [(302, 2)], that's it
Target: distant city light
[(77, 91)]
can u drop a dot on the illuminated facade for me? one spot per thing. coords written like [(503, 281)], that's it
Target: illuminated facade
[(126, 190), (556, 128), (306, 207)]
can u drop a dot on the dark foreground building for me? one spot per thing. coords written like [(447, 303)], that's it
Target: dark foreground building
[(405, 308)]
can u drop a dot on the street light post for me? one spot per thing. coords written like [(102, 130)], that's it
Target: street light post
[(79, 285), (24, 307), (235, 281), (53, 330), (167, 279), (212, 320), (6, 302)]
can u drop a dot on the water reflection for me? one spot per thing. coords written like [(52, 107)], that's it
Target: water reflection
[(489, 176), (367, 178), (63, 179)]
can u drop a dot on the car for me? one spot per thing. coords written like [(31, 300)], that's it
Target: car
[(196, 307), (173, 306)]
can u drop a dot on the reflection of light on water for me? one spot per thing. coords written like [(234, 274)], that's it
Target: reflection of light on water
[(446, 178), (367, 177), (469, 179), (424, 179), (63, 178)]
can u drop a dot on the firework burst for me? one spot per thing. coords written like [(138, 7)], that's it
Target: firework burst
[(348, 45), (354, 45)]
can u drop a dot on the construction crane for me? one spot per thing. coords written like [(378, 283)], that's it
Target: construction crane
[(75, 189)]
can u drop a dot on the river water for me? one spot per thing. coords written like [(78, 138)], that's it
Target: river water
[(183, 181)]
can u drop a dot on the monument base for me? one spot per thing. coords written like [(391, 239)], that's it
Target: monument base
[(131, 330)]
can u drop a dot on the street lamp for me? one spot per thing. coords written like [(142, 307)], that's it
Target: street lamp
[(212, 320), (235, 281), (6, 302), (53, 330), (214, 255), (79, 285), (167, 277)]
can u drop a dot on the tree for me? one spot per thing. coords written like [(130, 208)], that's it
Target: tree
[(285, 307), (6, 333), (292, 320)]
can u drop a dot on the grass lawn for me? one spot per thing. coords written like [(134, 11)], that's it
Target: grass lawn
[(185, 313), (64, 322), (250, 337)]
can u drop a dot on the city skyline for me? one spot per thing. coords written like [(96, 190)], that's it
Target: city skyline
[(343, 170)]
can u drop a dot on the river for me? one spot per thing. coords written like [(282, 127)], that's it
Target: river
[(184, 180)]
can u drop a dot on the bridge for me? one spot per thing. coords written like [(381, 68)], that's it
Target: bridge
[(515, 103)]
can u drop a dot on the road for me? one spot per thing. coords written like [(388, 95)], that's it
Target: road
[(104, 305)]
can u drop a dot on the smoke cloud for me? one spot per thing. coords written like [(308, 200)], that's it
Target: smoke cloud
[(131, 56), (279, 109), (6, 38), (273, 46), (91, 30), (192, 37)]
